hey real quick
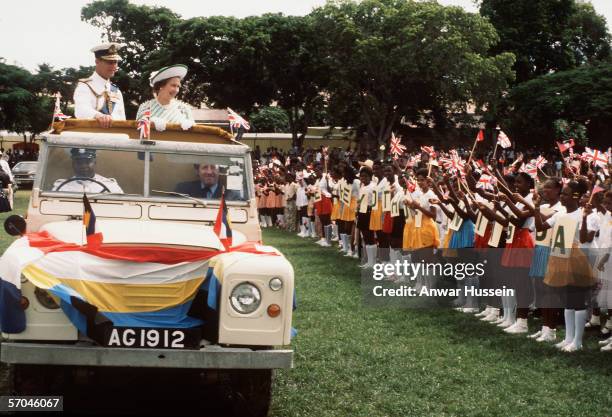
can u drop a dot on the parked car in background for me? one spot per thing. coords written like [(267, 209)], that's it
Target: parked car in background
[(24, 173)]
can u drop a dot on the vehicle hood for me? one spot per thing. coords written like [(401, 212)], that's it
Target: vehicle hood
[(138, 232)]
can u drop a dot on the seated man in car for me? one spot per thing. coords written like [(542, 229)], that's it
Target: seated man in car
[(85, 178), (207, 186)]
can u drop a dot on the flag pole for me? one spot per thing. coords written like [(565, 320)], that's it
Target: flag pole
[(472, 153), (55, 106), (495, 149)]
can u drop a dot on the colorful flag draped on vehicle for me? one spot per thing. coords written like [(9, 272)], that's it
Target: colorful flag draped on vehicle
[(223, 225), (144, 124), (118, 285), (396, 149), (503, 140), (236, 120)]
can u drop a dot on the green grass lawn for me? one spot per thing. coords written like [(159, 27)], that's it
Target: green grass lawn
[(352, 360)]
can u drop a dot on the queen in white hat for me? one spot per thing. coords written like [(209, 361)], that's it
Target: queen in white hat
[(165, 108)]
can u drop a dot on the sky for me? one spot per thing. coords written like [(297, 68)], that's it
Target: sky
[(34, 32)]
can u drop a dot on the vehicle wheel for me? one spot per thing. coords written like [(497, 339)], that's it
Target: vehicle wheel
[(7, 380), (37, 380), (250, 392)]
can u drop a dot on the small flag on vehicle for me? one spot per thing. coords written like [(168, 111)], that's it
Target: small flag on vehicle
[(57, 111), (223, 225), (236, 120), (89, 221)]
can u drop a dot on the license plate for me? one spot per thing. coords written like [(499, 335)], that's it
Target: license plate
[(151, 338)]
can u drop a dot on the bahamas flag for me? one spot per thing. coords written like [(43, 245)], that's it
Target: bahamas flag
[(89, 221), (223, 226), (98, 287)]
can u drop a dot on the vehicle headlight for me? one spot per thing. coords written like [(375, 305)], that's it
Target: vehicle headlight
[(245, 298), (46, 299), (276, 284)]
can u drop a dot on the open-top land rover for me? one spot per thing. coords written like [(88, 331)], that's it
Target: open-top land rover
[(155, 287)]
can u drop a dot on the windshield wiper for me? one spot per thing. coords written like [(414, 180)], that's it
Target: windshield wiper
[(112, 194), (201, 202)]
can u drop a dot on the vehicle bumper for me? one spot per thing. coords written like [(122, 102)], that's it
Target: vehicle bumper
[(208, 357)]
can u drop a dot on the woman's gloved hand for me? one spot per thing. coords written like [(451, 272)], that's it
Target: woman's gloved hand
[(187, 124), (160, 124)]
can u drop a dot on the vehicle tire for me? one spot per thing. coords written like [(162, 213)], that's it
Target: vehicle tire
[(250, 392), (37, 380)]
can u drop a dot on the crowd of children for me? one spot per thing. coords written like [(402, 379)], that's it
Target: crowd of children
[(548, 237)]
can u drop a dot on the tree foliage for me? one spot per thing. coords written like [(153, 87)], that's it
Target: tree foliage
[(548, 35), (419, 60), (21, 108), (269, 119), (582, 95)]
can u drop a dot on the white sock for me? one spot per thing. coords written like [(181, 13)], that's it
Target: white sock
[(341, 237), (570, 325), (580, 321)]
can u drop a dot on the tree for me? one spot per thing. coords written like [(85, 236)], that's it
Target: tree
[(296, 68), (547, 35), (269, 119), (21, 108), (224, 57), (397, 58), (579, 96)]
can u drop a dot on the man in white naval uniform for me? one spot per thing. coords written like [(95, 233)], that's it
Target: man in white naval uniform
[(84, 166), (96, 97)]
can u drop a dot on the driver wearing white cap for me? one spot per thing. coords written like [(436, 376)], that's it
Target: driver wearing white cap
[(85, 179), (96, 97)]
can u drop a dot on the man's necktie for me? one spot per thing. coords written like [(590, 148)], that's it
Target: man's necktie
[(206, 192)]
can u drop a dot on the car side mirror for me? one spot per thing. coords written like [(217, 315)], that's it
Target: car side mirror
[(15, 225)]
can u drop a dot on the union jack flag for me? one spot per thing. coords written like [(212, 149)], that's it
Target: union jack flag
[(564, 146), (595, 157), (429, 150), (530, 168), (486, 179), (410, 184), (57, 111), (236, 120), (540, 162), (144, 124), (454, 164), (396, 148), (503, 140)]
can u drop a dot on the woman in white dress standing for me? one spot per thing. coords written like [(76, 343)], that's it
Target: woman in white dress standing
[(164, 107)]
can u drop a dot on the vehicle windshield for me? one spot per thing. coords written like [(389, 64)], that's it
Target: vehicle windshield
[(25, 166), (78, 170)]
